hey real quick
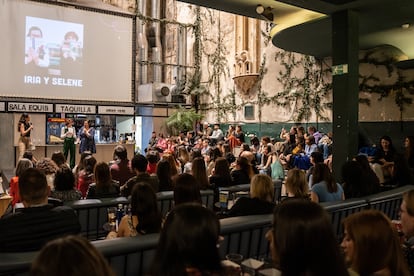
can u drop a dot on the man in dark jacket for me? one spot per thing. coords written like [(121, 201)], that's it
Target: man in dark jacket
[(139, 164), (29, 228)]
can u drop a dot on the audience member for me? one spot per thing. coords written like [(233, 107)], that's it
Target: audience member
[(371, 245), (216, 135), (384, 159), (175, 165), (357, 182), (29, 228), (260, 200), (409, 151), (186, 189), (153, 158), (49, 168), (315, 157), (200, 173), (221, 174), (59, 158), (211, 159), (22, 166), (121, 169), (296, 184), (362, 160), (188, 243), (139, 165), (64, 185), (79, 167), (145, 218), (324, 188), (104, 185), (242, 171), (302, 241), (164, 175), (183, 157), (194, 154), (86, 175), (29, 155), (70, 256)]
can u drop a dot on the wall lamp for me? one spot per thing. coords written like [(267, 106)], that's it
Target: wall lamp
[(267, 12)]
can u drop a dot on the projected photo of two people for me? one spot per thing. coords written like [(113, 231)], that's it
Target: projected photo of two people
[(53, 52)]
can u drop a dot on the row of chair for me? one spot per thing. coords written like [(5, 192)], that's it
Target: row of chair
[(133, 255), (243, 235), (92, 213)]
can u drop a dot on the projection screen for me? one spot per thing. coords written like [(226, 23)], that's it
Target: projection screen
[(59, 52)]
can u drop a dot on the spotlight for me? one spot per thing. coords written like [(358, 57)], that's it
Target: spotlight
[(267, 12)]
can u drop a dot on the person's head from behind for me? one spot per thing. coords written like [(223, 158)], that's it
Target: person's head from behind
[(28, 154), (70, 256), (120, 152), (222, 167), (47, 166), (215, 153), (89, 164), (261, 187), (58, 158), (302, 240), (296, 184), (144, 205), (64, 179), (243, 164), (316, 157), (321, 172), (186, 189), (153, 157), (188, 239), (362, 160), (33, 187), (164, 170), (371, 244), (102, 174), (23, 165)]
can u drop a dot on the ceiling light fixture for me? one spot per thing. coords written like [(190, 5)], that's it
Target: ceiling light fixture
[(405, 26)]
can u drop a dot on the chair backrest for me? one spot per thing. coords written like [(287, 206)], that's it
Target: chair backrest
[(245, 235), (341, 209), (93, 214), (207, 198), (388, 202), (129, 256), (165, 202), (16, 264)]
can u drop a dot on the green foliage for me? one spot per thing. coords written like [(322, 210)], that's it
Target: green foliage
[(304, 95), (182, 120)]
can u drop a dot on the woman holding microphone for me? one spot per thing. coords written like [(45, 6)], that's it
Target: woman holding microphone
[(24, 127)]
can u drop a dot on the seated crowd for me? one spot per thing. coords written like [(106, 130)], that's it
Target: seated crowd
[(301, 240)]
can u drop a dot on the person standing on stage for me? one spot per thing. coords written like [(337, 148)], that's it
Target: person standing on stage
[(68, 134), (24, 127), (86, 137)]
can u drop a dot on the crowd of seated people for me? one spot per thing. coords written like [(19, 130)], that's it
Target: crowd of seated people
[(186, 167)]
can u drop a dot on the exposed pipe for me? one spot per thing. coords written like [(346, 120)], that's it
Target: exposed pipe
[(142, 44), (181, 55), (156, 40)]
